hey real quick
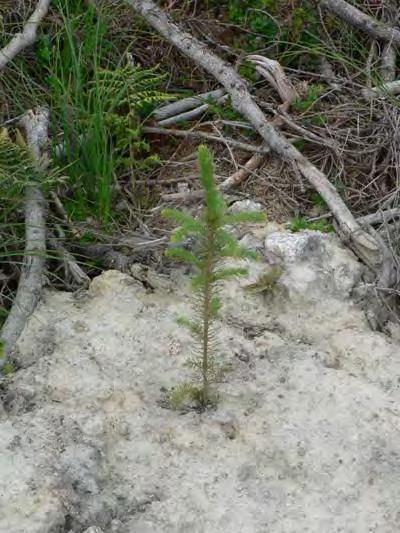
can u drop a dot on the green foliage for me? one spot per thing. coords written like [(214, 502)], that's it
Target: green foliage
[(17, 171), (257, 16), (290, 26), (317, 200), (8, 369), (301, 223), (267, 280), (186, 395), (98, 104), (16, 166), (127, 95), (214, 245), (313, 93)]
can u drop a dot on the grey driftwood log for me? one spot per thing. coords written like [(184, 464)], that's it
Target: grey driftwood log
[(30, 284)]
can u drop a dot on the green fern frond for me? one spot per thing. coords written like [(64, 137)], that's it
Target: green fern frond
[(16, 165), (132, 87)]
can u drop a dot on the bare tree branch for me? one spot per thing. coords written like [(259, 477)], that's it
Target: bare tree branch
[(273, 72), (363, 244), (31, 280), (27, 37), (389, 53), (255, 162), (355, 17), (390, 88), (207, 136)]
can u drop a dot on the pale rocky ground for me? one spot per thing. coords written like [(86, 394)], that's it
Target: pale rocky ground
[(305, 438)]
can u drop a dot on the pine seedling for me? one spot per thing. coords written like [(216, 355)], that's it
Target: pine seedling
[(214, 245)]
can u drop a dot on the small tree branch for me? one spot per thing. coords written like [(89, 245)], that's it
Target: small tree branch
[(31, 280), (255, 162), (389, 53), (27, 37), (180, 106), (272, 71), (380, 217), (389, 88), (355, 17), (208, 137), (71, 267)]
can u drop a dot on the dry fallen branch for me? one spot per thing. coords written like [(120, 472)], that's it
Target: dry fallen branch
[(363, 244), (355, 17), (31, 279), (272, 71), (187, 109), (390, 88), (380, 217), (27, 37), (176, 108), (187, 116), (389, 53), (71, 267), (206, 136), (255, 162)]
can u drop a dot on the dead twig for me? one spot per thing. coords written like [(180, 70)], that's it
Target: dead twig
[(206, 136), (28, 35), (176, 108), (71, 268), (272, 71), (380, 217), (255, 162)]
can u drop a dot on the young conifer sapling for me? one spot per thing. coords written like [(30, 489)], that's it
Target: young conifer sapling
[(214, 245)]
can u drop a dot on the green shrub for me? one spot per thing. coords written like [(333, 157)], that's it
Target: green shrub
[(97, 108), (301, 223)]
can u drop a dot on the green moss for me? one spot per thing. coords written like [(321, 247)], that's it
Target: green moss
[(301, 223)]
